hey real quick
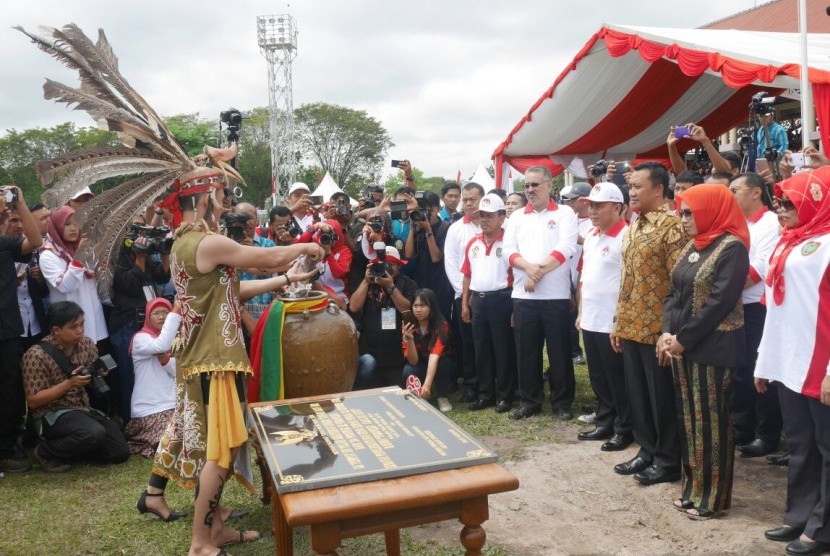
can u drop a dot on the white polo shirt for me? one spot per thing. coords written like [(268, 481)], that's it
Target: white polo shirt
[(458, 236), (536, 236), (795, 347), (487, 267), (601, 276), (764, 232), (583, 228)]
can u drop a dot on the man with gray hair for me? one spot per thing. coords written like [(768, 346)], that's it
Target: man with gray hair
[(538, 243)]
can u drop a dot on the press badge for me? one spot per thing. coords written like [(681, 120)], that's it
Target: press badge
[(387, 319)]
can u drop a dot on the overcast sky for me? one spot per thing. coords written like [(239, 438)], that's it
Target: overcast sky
[(447, 79)]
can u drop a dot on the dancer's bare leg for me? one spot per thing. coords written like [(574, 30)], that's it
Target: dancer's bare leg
[(207, 523)]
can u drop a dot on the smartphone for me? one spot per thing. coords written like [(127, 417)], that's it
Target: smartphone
[(622, 167), (396, 163), (798, 160), (682, 131), (408, 317), (761, 164), (316, 200)]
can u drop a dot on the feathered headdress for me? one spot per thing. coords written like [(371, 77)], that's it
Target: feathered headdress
[(150, 151)]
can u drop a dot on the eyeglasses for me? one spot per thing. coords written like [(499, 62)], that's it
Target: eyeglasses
[(684, 213), (530, 184), (784, 205), (159, 313)]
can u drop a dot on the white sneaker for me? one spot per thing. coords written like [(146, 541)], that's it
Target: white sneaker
[(444, 405), (588, 419)]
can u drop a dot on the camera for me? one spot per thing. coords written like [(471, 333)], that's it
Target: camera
[(10, 195), (419, 215), (599, 168), (101, 366), (397, 210), (235, 224), (420, 197), (293, 228), (380, 267), (343, 208), (158, 239), (232, 118), (376, 226), (761, 103), (369, 202), (327, 238)]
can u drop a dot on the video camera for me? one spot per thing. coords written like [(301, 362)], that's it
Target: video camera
[(234, 224), (158, 239), (232, 118), (761, 103), (379, 268), (97, 370)]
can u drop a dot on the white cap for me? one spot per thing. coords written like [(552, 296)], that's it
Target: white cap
[(491, 203), (297, 186), (606, 192), (81, 193)]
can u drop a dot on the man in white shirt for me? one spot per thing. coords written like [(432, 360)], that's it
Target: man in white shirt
[(757, 417), (575, 197), (458, 236), (598, 291), (300, 205), (539, 242), (486, 304)]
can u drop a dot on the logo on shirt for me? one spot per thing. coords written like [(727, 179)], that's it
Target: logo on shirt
[(810, 248), (605, 250), (475, 251), (498, 253), (815, 192), (551, 224)]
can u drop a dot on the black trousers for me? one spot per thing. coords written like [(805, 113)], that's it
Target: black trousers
[(755, 415), (12, 399), (84, 434), (607, 375), (808, 473), (466, 350), (539, 323), (495, 348), (650, 390)]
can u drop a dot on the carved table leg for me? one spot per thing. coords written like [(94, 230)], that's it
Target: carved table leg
[(393, 542), (474, 513), (324, 538), (283, 536), (263, 468)]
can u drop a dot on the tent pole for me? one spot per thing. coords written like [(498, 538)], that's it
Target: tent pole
[(807, 115)]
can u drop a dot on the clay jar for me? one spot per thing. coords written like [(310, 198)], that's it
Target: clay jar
[(319, 351)]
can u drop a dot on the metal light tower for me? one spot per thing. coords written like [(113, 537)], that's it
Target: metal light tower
[(277, 39)]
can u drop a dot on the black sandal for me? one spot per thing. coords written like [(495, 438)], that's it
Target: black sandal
[(242, 538), (142, 508), (701, 514), (681, 505)]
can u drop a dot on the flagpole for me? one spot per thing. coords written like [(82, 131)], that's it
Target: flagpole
[(807, 116)]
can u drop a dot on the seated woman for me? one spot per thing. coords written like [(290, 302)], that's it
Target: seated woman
[(154, 394), (68, 279), (703, 337), (426, 349)]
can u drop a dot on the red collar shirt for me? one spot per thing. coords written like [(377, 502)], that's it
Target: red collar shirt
[(487, 266), (764, 232), (600, 278), (535, 236)]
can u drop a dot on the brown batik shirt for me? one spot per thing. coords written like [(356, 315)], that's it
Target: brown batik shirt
[(649, 251), (41, 371)]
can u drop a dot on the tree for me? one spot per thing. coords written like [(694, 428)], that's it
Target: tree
[(193, 132), (348, 143)]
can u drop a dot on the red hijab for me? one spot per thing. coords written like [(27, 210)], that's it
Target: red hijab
[(716, 212), (810, 195), (148, 328), (54, 233)]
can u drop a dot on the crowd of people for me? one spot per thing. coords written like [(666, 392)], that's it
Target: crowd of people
[(701, 309)]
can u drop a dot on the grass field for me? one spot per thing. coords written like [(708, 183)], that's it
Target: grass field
[(90, 510)]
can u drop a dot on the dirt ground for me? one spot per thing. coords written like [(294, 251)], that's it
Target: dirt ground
[(570, 502)]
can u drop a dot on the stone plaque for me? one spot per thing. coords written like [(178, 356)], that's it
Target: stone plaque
[(360, 437)]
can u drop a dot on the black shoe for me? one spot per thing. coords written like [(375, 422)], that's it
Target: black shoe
[(468, 397), (632, 466), (16, 463), (804, 548), (563, 414), (779, 459), (142, 508), (525, 412), (655, 474), (579, 359), (756, 449), (618, 442), (596, 434), (478, 405), (784, 534), (503, 406)]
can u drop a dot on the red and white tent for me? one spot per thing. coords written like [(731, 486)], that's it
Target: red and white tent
[(628, 85)]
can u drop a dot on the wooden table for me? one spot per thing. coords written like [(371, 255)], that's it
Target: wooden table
[(336, 513)]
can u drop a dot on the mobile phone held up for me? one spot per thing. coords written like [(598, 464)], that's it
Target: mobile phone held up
[(316, 200), (397, 163), (761, 164), (682, 131)]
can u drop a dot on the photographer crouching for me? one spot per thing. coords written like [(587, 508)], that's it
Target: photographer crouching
[(56, 374), (377, 303), (143, 265)]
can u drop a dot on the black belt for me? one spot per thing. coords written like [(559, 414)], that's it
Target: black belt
[(492, 293)]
